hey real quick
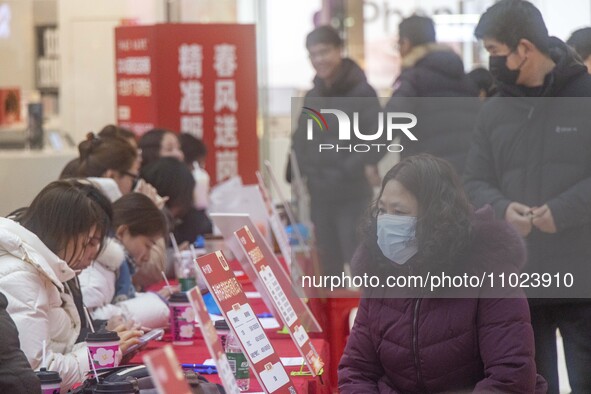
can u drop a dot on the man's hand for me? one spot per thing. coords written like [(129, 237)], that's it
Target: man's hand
[(519, 215), (543, 219)]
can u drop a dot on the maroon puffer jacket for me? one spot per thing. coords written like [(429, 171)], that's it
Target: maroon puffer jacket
[(429, 345)]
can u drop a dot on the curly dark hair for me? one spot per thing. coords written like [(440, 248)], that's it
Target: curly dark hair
[(444, 228)]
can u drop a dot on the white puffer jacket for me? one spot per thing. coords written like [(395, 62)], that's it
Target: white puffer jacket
[(31, 277), (97, 283)]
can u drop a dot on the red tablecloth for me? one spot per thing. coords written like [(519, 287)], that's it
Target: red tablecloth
[(197, 353), (284, 346)]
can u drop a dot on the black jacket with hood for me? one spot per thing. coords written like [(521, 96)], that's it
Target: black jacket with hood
[(435, 73), (332, 175), (533, 146)]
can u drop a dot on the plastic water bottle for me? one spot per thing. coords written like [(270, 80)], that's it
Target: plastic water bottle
[(237, 361)]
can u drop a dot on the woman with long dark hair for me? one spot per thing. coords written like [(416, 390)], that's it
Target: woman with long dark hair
[(173, 179), (158, 143), (449, 340), (42, 248), (107, 285)]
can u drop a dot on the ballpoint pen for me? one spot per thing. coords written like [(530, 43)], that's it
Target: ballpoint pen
[(201, 368), (197, 366), (208, 371)]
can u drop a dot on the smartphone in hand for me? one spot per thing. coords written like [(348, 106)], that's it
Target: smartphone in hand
[(155, 334)]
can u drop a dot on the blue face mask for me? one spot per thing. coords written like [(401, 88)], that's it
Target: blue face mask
[(396, 237)]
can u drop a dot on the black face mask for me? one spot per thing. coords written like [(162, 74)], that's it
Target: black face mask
[(497, 66)]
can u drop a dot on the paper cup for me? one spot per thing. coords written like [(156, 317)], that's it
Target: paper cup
[(182, 319), (104, 349), (50, 381)]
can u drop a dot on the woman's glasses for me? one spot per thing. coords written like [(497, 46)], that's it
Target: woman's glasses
[(136, 178)]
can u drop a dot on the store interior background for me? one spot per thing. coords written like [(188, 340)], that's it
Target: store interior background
[(78, 88), (78, 84)]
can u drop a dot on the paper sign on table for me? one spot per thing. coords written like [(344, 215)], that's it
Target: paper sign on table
[(269, 323), (166, 372), (212, 341), (230, 298), (228, 224), (282, 295), (292, 361), (286, 361), (274, 376), (252, 294)]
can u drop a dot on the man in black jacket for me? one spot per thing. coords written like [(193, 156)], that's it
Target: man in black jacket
[(580, 40), (431, 70), (339, 190), (531, 160)]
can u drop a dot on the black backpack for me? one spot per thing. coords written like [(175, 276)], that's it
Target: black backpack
[(139, 377)]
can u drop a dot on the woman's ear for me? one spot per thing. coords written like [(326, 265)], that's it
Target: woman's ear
[(109, 174), (121, 231)]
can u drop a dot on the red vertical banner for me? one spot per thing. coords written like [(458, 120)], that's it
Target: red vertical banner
[(135, 78), (203, 83)]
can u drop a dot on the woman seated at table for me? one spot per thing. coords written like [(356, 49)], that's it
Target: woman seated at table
[(107, 286), (40, 250), (70, 170), (422, 222), (111, 162), (158, 143), (174, 180)]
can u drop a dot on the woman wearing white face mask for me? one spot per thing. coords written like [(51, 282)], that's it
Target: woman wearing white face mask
[(410, 340)]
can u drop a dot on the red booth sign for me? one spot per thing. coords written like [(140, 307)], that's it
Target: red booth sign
[(230, 298), (193, 78)]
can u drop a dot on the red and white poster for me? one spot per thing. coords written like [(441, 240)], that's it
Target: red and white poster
[(282, 296), (166, 371), (230, 298), (212, 341), (193, 78), (228, 225)]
